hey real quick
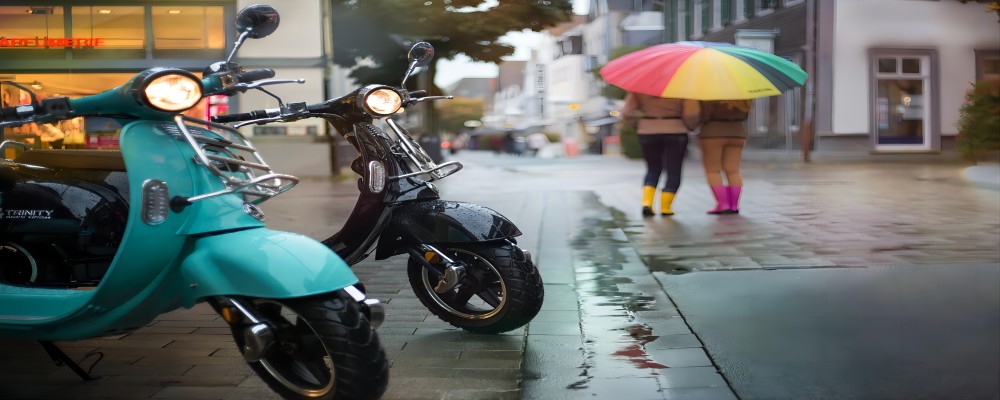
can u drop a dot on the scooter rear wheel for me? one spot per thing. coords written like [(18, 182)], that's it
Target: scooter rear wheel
[(325, 349), (501, 290)]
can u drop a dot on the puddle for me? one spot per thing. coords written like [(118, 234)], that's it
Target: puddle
[(610, 304)]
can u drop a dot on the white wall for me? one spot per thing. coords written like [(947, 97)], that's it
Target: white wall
[(953, 28), (298, 35), (310, 92)]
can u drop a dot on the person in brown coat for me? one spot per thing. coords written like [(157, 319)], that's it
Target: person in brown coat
[(721, 140), (662, 126)]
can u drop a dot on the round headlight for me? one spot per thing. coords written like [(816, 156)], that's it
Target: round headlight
[(172, 91), (382, 101)]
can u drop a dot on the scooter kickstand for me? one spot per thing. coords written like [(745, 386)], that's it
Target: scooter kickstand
[(62, 359)]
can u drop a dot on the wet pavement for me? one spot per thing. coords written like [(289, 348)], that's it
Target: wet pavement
[(855, 280)]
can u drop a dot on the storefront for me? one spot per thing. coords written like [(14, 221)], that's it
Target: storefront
[(65, 48)]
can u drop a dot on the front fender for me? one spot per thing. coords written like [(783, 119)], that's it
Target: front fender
[(262, 263), (441, 221)]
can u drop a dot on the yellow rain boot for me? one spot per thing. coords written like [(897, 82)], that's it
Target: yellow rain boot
[(648, 193), (666, 199)]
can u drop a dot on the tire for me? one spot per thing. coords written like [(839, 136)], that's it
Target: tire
[(501, 290), (316, 335)]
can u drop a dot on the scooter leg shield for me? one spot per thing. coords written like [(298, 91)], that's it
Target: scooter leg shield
[(262, 263), (441, 221)]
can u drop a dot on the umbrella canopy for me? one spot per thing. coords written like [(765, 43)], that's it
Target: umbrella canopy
[(703, 71)]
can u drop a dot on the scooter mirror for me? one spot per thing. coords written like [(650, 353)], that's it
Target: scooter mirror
[(257, 21), (421, 54)]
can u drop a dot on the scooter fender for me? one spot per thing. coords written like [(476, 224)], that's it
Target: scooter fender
[(261, 263), (441, 221)]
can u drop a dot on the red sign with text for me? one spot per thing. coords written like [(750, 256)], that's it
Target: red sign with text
[(51, 42)]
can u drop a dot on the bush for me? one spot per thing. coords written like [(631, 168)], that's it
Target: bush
[(979, 120), (630, 142)]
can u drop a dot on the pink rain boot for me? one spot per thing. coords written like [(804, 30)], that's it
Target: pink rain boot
[(722, 197), (734, 198)]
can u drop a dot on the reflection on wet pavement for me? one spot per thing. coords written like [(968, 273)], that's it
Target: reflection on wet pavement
[(624, 315)]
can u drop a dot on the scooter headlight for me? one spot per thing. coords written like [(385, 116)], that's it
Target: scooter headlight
[(169, 89), (381, 101)]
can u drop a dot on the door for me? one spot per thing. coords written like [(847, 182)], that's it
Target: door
[(902, 112)]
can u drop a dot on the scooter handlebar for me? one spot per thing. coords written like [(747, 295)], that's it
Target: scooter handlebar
[(247, 116), (254, 75)]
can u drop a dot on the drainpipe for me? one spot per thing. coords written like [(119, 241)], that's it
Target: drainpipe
[(807, 100)]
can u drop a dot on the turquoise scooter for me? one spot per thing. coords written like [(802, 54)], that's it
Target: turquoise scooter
[(96, 243)]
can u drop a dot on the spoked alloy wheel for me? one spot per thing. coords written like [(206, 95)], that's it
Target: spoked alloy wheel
[(323, 348), (500, 291)]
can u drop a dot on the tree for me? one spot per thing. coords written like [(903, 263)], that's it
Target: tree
[(979, 121), (456, 112), (629, 138), (373, 35), (991, 6)]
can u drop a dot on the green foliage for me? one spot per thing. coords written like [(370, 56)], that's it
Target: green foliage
[(455, 112), (611, 91), (979, 120), (630, 142), (374, 35)]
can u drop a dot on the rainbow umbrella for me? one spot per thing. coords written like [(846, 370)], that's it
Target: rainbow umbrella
[(703, 71)]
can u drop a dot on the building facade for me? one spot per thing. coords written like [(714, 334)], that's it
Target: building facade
[(78, 48), (885, 76)]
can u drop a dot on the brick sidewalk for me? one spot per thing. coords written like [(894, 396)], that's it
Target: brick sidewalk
[(580, 218)]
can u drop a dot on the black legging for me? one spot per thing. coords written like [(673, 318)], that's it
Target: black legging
[(664, 152)]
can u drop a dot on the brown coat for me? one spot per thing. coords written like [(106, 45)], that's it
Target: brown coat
[(660, 115), (724, 118)]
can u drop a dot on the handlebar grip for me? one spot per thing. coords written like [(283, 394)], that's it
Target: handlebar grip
[(255, 114), (254, 75), (6, 112), (416, 94)]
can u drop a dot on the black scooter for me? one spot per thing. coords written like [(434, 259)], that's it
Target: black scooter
[(464, 265)]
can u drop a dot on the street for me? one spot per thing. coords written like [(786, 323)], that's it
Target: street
[(837, 280)]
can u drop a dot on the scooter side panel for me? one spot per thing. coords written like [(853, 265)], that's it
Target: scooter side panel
[(262, 263), (442, 221)]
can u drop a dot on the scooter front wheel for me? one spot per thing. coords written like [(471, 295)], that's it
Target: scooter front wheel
[(323, 347), (500, 290)]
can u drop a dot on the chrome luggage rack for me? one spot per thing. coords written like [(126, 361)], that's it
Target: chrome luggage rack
[(227, 158), (419, 157)]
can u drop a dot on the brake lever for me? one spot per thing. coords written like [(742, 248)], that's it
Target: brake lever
[(260, 121), (243, 87), (411, 102), (265, 82)]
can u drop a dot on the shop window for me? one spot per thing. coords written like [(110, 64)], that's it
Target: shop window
[(120, 27), (30, 27), (188, 28)]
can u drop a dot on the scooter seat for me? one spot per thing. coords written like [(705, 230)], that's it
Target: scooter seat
[(105, 160)]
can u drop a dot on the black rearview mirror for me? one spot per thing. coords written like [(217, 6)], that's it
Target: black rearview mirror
[(257, 21), (421, 54)]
